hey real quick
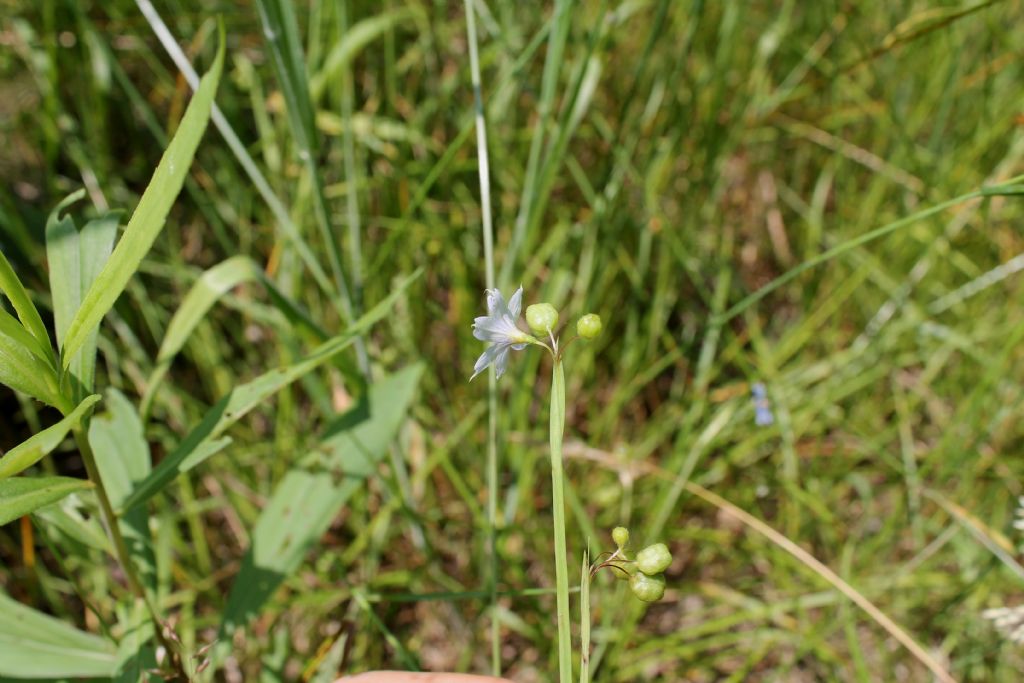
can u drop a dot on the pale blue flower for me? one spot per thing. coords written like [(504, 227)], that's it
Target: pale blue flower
[(762, 408), (500, 329)]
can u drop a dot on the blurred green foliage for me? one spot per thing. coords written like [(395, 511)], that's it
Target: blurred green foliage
[(692, 152)]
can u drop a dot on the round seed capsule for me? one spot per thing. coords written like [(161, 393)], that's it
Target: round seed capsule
[(589, 326), (542, 318), (648, 588), (620, 535), (653, 559)]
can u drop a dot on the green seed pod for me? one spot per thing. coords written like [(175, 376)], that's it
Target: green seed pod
[(654, 559), (648, 588), (589, 326), (542, 318), (620, 535)]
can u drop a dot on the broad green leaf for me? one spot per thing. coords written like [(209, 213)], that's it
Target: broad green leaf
[(204, 451), (243, 398), (95, 242), (305, 503), (31, 451), (11, 286), (24, 371), (73, 518), (36, 645), (64, 261), (355, 39), (149, 216), (21, 495), (299, 512), (121, 449), (123, 459), (16, 331), (75, 259), (353, 442)]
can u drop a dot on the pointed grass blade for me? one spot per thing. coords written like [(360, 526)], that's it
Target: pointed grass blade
[(32, 450), (149, 217), (243, 398), (21, 495)]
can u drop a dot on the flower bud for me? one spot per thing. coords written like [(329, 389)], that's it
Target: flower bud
[(589, 326), (653, 559), (542, 318), (620, 535), (648, 588)]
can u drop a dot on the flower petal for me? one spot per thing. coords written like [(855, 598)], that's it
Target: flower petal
[(501, 362), (515, 304), (495, 302), (485, 359), (491, 331), (498, 329)]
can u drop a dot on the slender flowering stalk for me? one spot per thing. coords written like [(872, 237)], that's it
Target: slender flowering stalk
[(483, 167), (500, 329), (558, 511)]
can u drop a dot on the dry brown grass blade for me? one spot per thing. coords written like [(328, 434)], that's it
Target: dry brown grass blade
[(824, 572), (997, 543), (578, 450)]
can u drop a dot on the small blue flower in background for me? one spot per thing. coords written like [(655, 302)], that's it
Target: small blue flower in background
[(500, 329), (762, 410)]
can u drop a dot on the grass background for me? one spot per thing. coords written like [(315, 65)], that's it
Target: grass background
[(686, 154)]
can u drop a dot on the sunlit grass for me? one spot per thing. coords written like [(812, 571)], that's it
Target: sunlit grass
[(791, 195)]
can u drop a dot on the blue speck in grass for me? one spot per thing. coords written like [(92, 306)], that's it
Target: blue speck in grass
[(762, 410)]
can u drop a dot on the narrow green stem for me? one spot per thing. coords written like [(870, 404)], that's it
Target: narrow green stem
[(352, 185), (558, 508), (107, 510), (585, 579), (483, 165), (120, 547), (492, 519)]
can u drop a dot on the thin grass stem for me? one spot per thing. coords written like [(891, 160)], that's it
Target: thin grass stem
[(545, 109), (355, 243), (1007, 188), (492, 382), (585, 578), (338, 294), (242, 155)]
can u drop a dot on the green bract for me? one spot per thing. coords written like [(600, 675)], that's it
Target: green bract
[(542, 318), (653, 559), (589, 326)]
